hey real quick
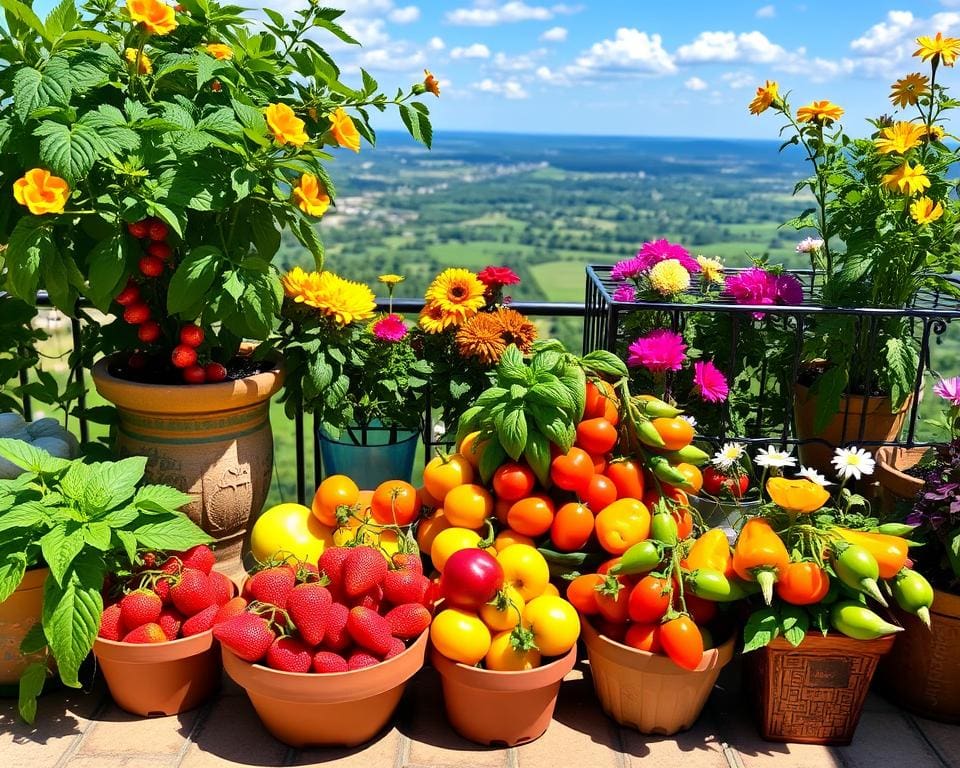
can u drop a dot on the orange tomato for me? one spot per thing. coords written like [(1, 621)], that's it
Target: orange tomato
[(644, 637), (693, 474), (649, 600), (395, 502), (472, 448), (682, 642), (612, 597), (531, 516), (622, 524), (676, 433), (600, 493), (582, 593), (572, 471), (507, 538), (468, 506), (444, 473), (334, 492), (428, 528), (513, 481), (601, 402), (684, 518), (572, 527), (500, 509), (627, 476), (596, 436), (426, 499), (599, 463), (803, 583)]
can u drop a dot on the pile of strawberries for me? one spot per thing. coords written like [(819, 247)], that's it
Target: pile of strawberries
[(352, 610), (177, 597)]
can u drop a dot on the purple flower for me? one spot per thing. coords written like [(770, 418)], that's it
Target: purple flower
[(390, 328), (625, 293), (655, 251), (949, 390), (788, 290), (660, 350), (752, 286)]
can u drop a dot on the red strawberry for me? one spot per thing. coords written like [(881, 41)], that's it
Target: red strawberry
[(157, 230), (162, 588), (147, 633), (327, 661), (273, 585), (308, 606), (183, 356), (129, 295), (191, 336), (194, 374), (363, 568), (407, 561), (160, 251), (200, 557), (408, 621), (360, 660), (193, 592), (248, 635), (149, 332), (289, 655), (215, 372), (401, 587), (171, 622), (397, 646), (139, 229), (222, 586), (110, 623), (336, 638), (136, 313), (369, 630), (331, 563), (228, 610), (372, 599), (140, 607), (151, 266), (201, 622)]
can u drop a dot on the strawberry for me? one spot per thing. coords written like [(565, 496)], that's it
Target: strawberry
[(191, 335), (228, 610), (183, 356), (289, 655), (335, 637), (136, 313), (171, 622), (139, 229), (408, 621), (327, 661), (407, 561), (222, 586), (215, 372), (157, 230), (363, 568), (146, 633), (360, 660), (129, 295), (401, 587), (308, 606), (140, 607), (248, 635), (200, 557), (369, 630), (193, 592), (372, 599), (151, 266), (162, 588), (194, 374), (110, 623), (201, 622), (331, 563), (273, 585), (397, 646), (160, 250), (149, 332)]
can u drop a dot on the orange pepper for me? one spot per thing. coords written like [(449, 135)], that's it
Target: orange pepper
[(712, 551), (800, 496), (760, 555), (891, 552)]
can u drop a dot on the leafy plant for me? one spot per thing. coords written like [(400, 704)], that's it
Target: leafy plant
[(82, 521)]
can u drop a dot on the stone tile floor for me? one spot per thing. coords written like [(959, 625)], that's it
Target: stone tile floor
[(77, 730)]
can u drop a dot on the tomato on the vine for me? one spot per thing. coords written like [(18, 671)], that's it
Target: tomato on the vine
[(803, 583), (649, 600), (395, 502), (471, 578), (643, 637), (468, 505), (716, 482), (601, 402), (572, 471), (693, 474), (334, 492), (444, 473), (582, 593), (675, 432), (627, 476), (682, 642), (613, 595), (531, 516), (684, 518)]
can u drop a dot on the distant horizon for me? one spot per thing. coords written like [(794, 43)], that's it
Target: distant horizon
[(439, 133)]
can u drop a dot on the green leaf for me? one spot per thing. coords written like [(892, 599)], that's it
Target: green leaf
[(23, 515), (193, 278), (574, 379), (129, 543), (221, 121), (417, 124), (309, 238), (71, 151), (250, 118), (511, 369), (27, 456), (829, 390), (71, 616), (605, 363), (13, 564), (493, 456), (244, 181), (24, 256), (176, 533), (554, 424), (266, 236), (23, 12), (107, 267), (33, 90), (61, 19), (98, 535), (161, 498), (120, 478), (512, 431), (552, 393), (34, 641), (60, 545), (537, 454), (468, 421), (794, 623), (760, 630), (32, 681)]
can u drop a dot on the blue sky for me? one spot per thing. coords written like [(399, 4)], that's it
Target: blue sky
[(636, 67)]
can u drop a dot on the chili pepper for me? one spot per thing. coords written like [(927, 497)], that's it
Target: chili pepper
[(890, 552), (859, 622), (689, 454), (642, 557), (858, 569), (914, 594), (663, 528), (667, 473), (647, 433), (759, 555), (710, 584), (711, 550), (895, 529), (654, 408)]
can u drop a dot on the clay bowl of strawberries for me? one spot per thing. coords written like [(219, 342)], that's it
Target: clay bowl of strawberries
[(324, 652), (155, 645)]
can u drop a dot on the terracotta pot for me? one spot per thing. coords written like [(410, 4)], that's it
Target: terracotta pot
[(501, 708), (922, 672), (873, 414), (647, 691), (18, 614), (813, 694), (895, 484), (340, 709), (212, 441)]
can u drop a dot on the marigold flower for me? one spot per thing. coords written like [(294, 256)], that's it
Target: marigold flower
[(341, 300), (659, 351), (924, 210), (430, 83), (343, 130), (799, 496), (391, 280), (766, 95), (516, 328), (285, 126), (939, 48), (434, 320), (908, 89), (41, 192), (496, 277), (900, 137), (144, 65), (295, 282), (669, 277), (219, 51), (907, 180), (311, 196), (156, 17), (712, 269), (822, 112), (391, 328), (709, 382), (482, 337), (458, 292)]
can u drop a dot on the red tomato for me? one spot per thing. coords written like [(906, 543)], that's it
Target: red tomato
[(572, 471), (649, 600), (582, 593), (682, 642), (596, 436), (513, 481), (627, 477), (715, 483), (602, 402), (611, 601), (600, 493), (471, 578), (702, 611), (644, 637), (572, 527), (684, 519), (599, 463), (803, 583)]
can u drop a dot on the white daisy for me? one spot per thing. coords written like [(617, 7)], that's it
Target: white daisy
[(689, 419), (808, 473), (772, 457), (853, 462), (727, 456)]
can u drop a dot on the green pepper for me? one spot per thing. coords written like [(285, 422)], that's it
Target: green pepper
[(648, 433), (859, 570), (913, 593), (713, 585), (688, 455), (653, 408), (859, 622), (663, 528), (667, 473), (895, 529), (642, 557)]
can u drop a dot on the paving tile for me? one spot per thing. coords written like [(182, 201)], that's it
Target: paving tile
[(380, 753), (877, 703), (888, 739), (944, 738), (117, 731), (700, 747), (118, 761), (231, 734)]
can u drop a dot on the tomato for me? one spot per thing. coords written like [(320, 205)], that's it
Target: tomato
[(682, 642), (333, 493), (395, 502), (460, 636), (504, 611), (468, 505), (471, 448), (604, 567), (582, 593), (572, 527), (471, 578), (676, 433), (426, 500), (701, 611), (554, 623), (503, 657), (693, 474), (644, 637), (622, 524), (501, 507), (513, 481), (649, 599), (599, 463), (364, 500), (572, 471), (531, 516), (551, 589), (599, 493), (597, 436), (507, 538), (385, 540), (444, 473), (451, 540), (290, 529), (627, 476), (715, 483), (525, 569), (802, 583), (684, 518), (428, 528), (601, 402), (346, 534), (612, 597)]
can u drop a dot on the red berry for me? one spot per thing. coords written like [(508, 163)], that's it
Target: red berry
[(308, 606), (149, 332), (400, 587), (216, 86), (369, 630), (139, 229), (128, 295), (248, 635), (136, 313), (193, 592), (396, 648), (335, 637), (273, 585), (200, 623), (110, 628), (170, 621), (147, 633), (408, 621), (230, 609), (215, 372), (157, 230), (222, 586), (361, 660), (288, 654), (194, 375), (407, 561), (328, 661), (191, 335), (331, 563), (200, 557), (151, 266), (160, 250), (184, 356), (139, 608), (364, 568)]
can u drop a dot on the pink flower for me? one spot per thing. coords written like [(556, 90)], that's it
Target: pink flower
[(710, 382), (788, 290), (949, 390), (658, 351), (654, 252), (495, 277), (625, 293), (628, 269), (752, 286), (390, 328)]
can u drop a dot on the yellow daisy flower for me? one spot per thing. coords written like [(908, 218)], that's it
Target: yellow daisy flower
[(939, 48), (712, 269), (457, 292), (766, 95), (434, 320), (900, 137), (823, 112), (924, 210), (391, 280), (907, 180), (908, 89)]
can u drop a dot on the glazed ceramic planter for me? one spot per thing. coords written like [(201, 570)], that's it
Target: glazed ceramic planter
[(648, 691), (18, 614), (325, 710), (371, 456), (501, 708), (212, 441), (893, 463)]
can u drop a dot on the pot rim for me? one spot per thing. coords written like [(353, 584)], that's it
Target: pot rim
[(491, 679), (34, 577), (886, 457), (152, 653)]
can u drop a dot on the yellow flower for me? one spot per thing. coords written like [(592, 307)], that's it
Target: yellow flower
[(458, 293), (295, 283), (482, 337), (823, 112), (341, 300), (800, 496), (430, 83), (220, 51), (41, 192), (712, 269), (343, 130), (434, 320), (939, 48), (156, 18), (908, 89), (285, 126), (145, 65), (934, 132), (907, 180), (766, 95), (925, 211), (900, 137), (311, 196), (391, 280), (669, 277)]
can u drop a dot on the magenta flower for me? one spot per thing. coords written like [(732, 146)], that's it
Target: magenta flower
[(658, 351), (752, 286), (625, 293), (628, 269), (949, 390), (654, 252), (788, 290), (710, 382), (390, 328)]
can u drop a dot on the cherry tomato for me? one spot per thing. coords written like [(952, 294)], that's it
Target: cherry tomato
[(451, 540), (504, 657), (716, 482), (684, 518), (599, 463), (468, 505), (613, 596), (582, 593), (616, 631), (333, 493), (524, 569), (682, 642), (501, 507), (460, 636), (601, 402), (644, 637), (572, 527), (693, 474), (675, 432), (513, 481), (395, 502), (504, 611), (428, 528), (531, 516), (472, 448), (701, 611), (554, 623), (600, 493), (627, 477), (622, 524), (444, 473), (802, 583), (649, 600), (572, 471), (471, 578), (596, 436), (426, 500), (507, 538)]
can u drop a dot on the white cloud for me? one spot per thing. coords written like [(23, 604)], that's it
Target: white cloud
[(554, 35), (475, 51), (629, 51), (886, 48), (738, 80), (520, 63), (489, 15), (695, 84), (397, 56), (766, 12), (729, 46), (405, 15), (436, 44), (881, 36), (950, 3), (510, 89)]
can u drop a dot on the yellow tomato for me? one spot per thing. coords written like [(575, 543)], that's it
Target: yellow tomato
[(471, 449), (525, 569), (554, 623), (505, 610), (449, 541), (507, 538), (551, 590), (289, 529), (468, 505), (334, 493), (444, 473), (460, 636), (503, 657)]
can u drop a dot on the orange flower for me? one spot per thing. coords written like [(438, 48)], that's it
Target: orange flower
[(800, 496), (482, 337), (430, 83), (343, 130), (286, 127), (908, 89), (144, 65), (900, 137), (939, 48), (310, 196), (823, 112), (220, 51), (906, 180), (156, 17), (766, 95), (41, 193), (516, 329), (924, 210)]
